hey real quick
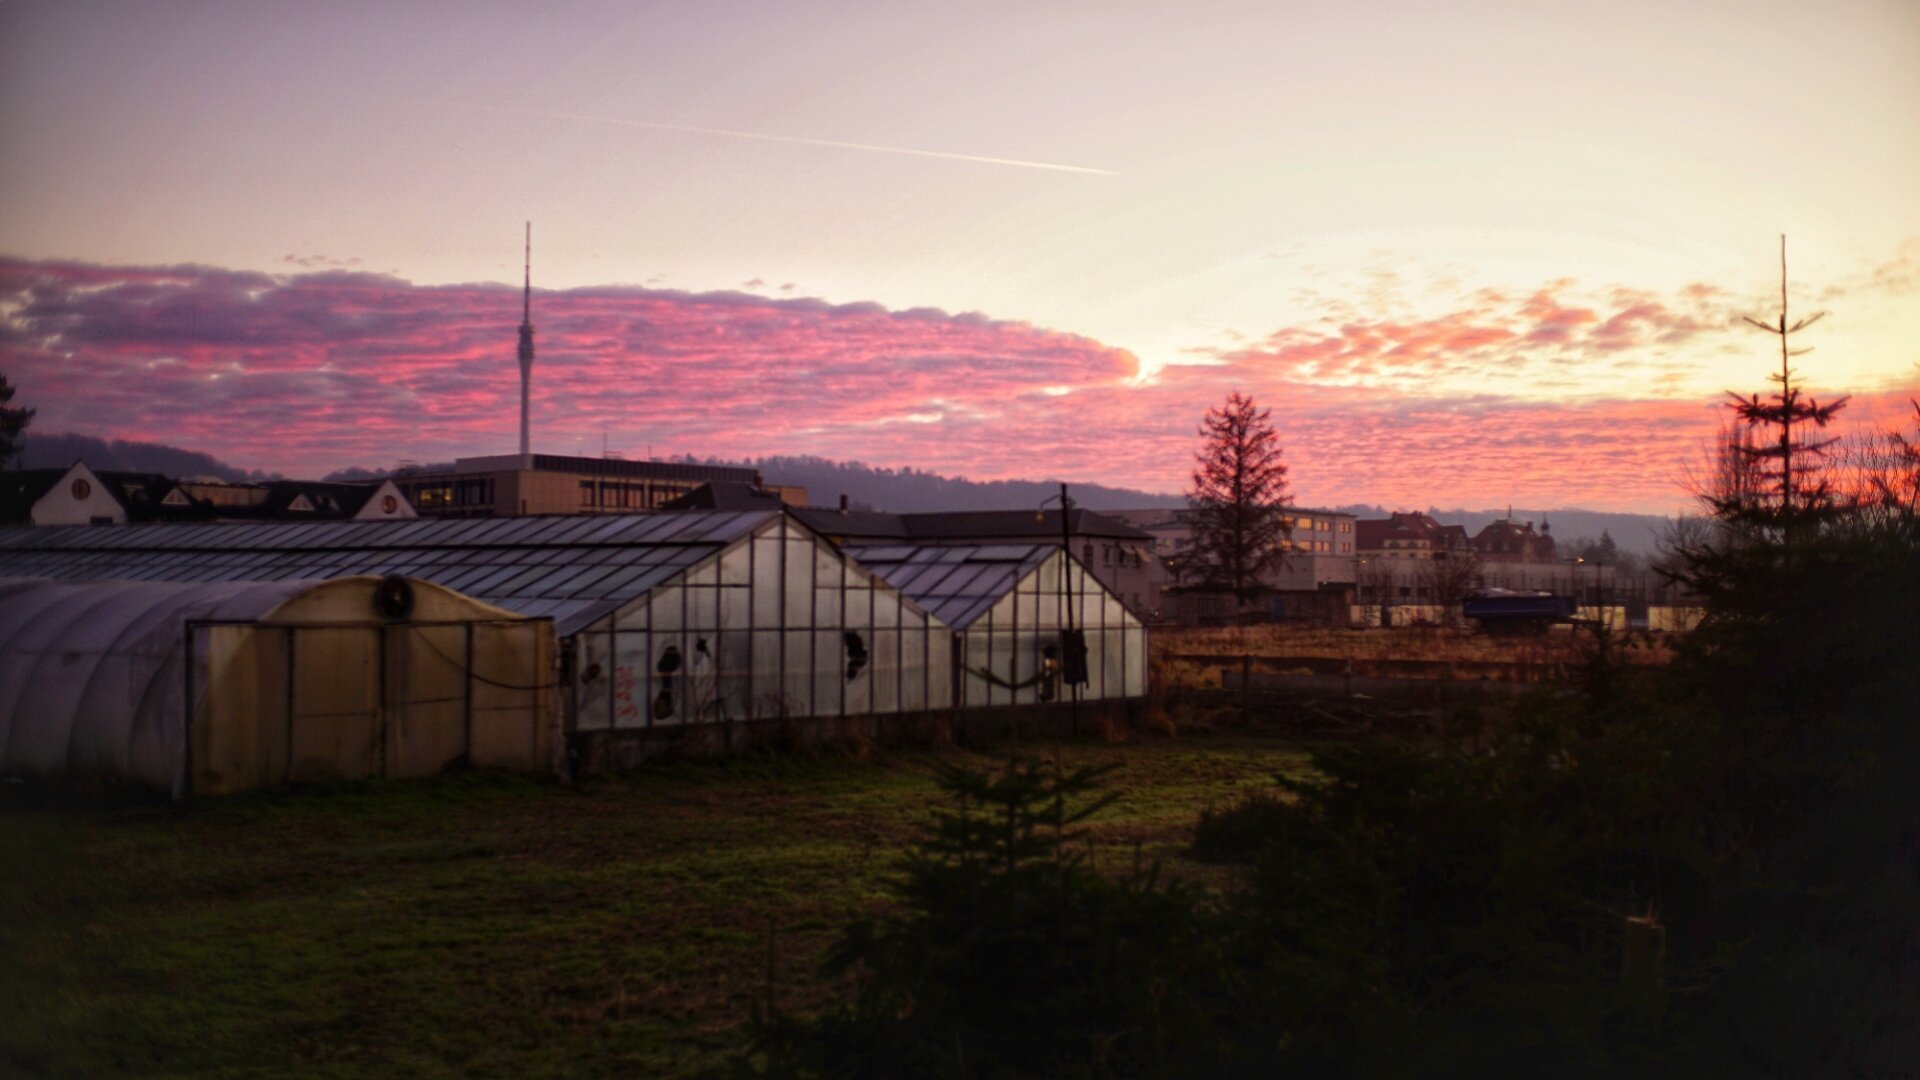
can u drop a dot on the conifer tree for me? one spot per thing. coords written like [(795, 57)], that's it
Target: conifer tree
[(12, 422), (1237, 502), (1788, 486)]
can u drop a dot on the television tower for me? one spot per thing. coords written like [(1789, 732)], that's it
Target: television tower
[(526, 358)]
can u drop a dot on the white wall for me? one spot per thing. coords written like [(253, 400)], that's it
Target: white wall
[(78, 498)]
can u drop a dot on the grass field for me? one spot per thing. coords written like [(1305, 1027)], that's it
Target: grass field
[(488, 925)]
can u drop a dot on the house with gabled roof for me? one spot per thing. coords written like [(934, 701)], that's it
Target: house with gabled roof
[(79, 495)]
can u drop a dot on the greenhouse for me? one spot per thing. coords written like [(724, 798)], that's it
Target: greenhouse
[(224, 686), (779, 624), (665, 619), (1027, 619)]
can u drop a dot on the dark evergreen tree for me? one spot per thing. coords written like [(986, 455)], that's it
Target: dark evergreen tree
[(1788, 488), (1009, 956), (13, 421), (1238, 501)]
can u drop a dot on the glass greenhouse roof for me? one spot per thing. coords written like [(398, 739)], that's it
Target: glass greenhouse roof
[(572, 569), (955, 584)]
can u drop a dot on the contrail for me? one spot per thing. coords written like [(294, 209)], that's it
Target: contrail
[(798, 140)]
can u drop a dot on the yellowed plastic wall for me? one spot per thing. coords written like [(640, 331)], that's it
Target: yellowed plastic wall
[(322, 690)]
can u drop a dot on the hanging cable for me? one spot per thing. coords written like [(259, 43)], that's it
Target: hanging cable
[(472, 674)]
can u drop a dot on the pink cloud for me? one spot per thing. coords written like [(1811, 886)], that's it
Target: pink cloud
[(309, 372), (1492, 334)]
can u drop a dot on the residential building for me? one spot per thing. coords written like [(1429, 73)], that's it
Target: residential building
[(81, 495), (1505, 540), (1409, 558)]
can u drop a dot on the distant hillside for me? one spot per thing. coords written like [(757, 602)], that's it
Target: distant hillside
[(58, 451), (908, 490)]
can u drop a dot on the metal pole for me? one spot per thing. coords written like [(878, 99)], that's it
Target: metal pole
[(1066, 569), (288, 770), (186, 730), (466, 705)]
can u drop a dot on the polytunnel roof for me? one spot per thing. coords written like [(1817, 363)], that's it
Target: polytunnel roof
[(91, 672), (572, 569), (86, 615), (956, 584)]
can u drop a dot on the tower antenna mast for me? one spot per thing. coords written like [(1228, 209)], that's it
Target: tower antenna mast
[(526, 357)]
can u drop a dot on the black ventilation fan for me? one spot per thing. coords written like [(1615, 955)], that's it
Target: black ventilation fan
[(393, 598)]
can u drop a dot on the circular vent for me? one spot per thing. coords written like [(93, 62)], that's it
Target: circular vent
[(393, 598)]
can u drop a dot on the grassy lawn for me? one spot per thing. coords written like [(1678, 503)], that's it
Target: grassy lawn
[(484, 924)]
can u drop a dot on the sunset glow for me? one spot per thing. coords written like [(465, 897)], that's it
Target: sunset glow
[(1472, 257)]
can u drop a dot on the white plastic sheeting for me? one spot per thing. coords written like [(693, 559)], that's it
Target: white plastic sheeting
[(93, 675)]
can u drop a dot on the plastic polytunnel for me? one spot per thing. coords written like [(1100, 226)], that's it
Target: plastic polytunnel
[(222, 686)]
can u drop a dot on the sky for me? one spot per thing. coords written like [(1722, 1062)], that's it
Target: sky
[(1468, 254)]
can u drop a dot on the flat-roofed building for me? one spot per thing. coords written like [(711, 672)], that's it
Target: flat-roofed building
[(512, 485), (1315, 582)]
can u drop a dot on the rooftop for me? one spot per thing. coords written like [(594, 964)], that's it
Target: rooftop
[(572, 569)]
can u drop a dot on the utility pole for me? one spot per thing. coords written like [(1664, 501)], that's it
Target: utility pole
[(1071, 643)]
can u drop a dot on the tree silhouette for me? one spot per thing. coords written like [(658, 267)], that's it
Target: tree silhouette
[(1787, 485), (1239, 493), (12, 422)]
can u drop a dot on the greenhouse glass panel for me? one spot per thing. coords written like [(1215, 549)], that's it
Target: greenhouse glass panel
[(859, 608), (736, 565), (766, 673), (826, 606), (798, 584), (736, 674), (667, 607), (1000, 663), (630, 679), (796, 689), (885, 681), (857, 692), (1136, 680), (829, 672), (736, 607), (593, 691), (915, 674), (766, 576), (937, 688), (703, 607)]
